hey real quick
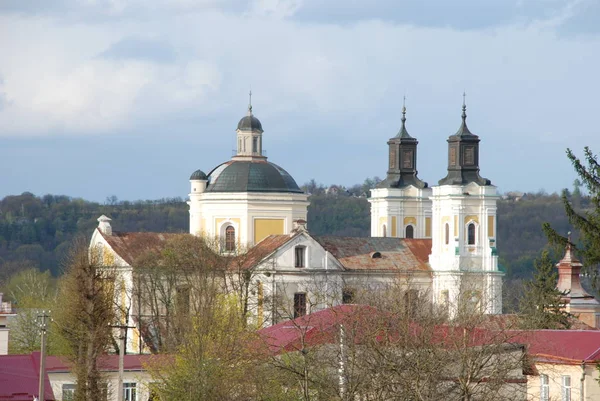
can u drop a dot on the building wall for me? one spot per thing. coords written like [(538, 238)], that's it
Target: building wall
[(396, 208), (140, 378), (248, 213), (555, 372), (456, 264)]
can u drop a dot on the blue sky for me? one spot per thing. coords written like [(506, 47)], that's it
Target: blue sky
[(128, 97)]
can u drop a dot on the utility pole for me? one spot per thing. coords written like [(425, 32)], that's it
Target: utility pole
[(122, 338), (43, 328)]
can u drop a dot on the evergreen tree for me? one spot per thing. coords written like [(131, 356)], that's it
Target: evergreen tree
[(586, 221), (542, 306)]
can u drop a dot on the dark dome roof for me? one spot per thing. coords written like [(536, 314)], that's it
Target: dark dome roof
[(250, 123), (250, 176), (198, 175)]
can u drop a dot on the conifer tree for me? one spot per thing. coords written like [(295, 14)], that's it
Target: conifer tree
[(542, 306), (587, 221)]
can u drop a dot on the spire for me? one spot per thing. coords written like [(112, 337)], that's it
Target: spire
[(464, 130), (569, 268), (403, 133), (250, 103)]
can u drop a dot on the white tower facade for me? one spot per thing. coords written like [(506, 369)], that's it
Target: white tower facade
[(400, 205), (463, 256)]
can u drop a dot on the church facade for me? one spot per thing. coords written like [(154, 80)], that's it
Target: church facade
[(437, 242)]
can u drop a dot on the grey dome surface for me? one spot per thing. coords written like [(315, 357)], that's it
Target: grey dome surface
[(250, 176), (198, 175), (250, 123)]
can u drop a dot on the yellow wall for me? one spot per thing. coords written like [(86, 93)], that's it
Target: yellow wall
[(394, 227), (490, 226), (472, 217), (428, 226), (265, 227), (455, 226), (410, 220)]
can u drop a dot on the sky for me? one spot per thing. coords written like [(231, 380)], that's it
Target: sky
[(129, 97)]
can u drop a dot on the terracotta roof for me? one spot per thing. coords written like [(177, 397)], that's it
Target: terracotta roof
[(131, 246), (19, 378), (263, 249), (357, 253)]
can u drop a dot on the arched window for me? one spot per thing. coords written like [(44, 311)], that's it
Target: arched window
[(255, 145), (384, 231), (471, 234), (410, 232), (230, 239), (447, 233)]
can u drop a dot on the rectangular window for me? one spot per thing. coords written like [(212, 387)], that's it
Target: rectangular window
[(129, 392), (68, 392), (299, 304), (544, 388), (299, 256), (255, 145), (566, 388)]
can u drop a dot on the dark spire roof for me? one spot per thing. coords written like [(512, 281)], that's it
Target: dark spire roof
[(402, 152), (198, 175), (403, 133), (463, 156), (464, 130)]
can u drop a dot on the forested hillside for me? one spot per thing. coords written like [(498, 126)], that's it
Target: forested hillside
[(36, 231)]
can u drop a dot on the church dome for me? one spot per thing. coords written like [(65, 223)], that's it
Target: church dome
[(198, 175), (250, 176), (250, 123)]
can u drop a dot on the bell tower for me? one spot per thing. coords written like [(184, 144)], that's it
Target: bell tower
[(463, 256), (400, 205)]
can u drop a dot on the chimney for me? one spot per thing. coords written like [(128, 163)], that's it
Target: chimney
[(104, 225), (299, 226), (569, 280)]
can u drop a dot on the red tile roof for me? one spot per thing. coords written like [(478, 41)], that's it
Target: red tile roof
[(397, 254), (131, 246), (19, 378), (562, 346), (107, 363)]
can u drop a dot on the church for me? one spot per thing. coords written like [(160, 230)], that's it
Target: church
[(438, 242)]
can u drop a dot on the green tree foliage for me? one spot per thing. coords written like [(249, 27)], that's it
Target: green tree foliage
[(542, 306), (586, 221), (84, 320)]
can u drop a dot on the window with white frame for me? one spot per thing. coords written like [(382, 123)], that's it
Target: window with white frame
[(230, 239), (544, 388), (129, 392), (68, 392), (384, 229), (300, 256), (566, 388)]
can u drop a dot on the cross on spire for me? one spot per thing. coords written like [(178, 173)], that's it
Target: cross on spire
[(250, 101)]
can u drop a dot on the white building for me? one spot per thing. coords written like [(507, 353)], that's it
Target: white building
[(439, 241), (459, 215)]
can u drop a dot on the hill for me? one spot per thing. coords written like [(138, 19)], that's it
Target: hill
[(36, 231)]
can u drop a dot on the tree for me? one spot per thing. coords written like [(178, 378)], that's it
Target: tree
[(542, 305), (587, 222), (32, 291), (84, 318)]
